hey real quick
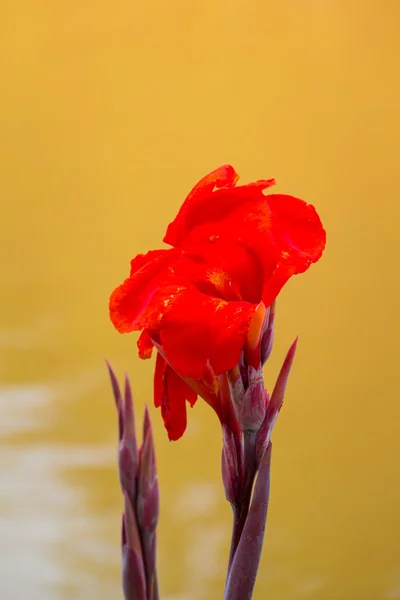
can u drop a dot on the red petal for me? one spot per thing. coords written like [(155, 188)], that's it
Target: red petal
[(143, 259), (171, 393), (199, 328), (229, 326), (299, 239), (248, 228), (224, 269), (252, 348), (224, 176), (159, 373), (237, 217), (203, 220), (129, 301), (145, 345), (284, 233), (274, 284), (297, 229)]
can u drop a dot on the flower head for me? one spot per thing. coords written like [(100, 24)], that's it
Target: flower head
[(203, 302)]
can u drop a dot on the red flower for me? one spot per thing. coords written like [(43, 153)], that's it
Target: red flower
[(232, 248)]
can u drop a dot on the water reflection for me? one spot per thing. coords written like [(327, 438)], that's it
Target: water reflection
[(43, 517)]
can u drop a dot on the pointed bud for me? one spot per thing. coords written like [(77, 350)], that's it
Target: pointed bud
[(119, 403), (283, 377), (252, 347), (128, 458), (147, 504), (139, 484), (146, 422), (128, 467), (148, 493), (275, 403), (129, 433)]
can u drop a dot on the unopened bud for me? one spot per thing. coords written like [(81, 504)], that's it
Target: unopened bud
[(119, 401), (148, 493), (128, 468), (252, 411), (148, 508), (274, 405)]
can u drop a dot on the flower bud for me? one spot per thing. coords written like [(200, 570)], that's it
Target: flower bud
[(148, 493), (139, 482), (274, 405), (253, 407), (128, 468)]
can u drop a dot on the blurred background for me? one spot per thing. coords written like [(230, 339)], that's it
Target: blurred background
[(109, 113)]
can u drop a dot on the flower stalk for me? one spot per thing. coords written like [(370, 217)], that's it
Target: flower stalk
[(240, 507), (256, 412), (206, 305), (243, 572), (139, 484)]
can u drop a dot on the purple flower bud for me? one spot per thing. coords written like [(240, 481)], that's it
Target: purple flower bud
[(128, 459), (148, 494), (129, 433), (139, 482), (128, 469), (147, 504), (275, 403), (119, 402), (251, 411)]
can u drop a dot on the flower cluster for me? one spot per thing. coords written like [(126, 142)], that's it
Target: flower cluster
[(207, 303)]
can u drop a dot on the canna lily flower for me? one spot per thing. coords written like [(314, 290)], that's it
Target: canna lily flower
[(206, 303)]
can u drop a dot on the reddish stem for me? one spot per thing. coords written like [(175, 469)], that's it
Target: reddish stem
[(241, 508), (243, 573)]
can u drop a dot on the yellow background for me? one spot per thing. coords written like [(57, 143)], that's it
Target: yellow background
[(109, 113)]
